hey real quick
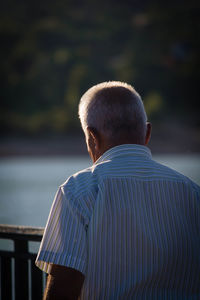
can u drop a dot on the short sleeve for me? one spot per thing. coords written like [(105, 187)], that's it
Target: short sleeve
[(64, 239)]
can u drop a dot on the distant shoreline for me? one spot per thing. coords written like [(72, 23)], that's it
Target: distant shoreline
[(76, 147), (166, 138), (42, 146)]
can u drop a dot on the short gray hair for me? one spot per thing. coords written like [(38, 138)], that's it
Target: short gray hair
[(112, 108)]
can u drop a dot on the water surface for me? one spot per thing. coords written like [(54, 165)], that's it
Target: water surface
[(28, 185)]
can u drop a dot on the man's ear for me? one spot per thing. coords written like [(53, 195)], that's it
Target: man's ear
[(148, 133), (93, 138)]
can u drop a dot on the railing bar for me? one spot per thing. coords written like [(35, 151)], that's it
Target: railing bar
[(16, 236), (31, 256), (13, 278), (21, 232), (29, 280), (21, 229)]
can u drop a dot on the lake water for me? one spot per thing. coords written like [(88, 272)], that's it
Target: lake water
[(28, 185)]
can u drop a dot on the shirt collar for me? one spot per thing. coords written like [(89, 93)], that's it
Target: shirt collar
[(125, 149)]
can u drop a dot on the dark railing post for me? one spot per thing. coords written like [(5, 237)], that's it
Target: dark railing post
[(6, 278), (21, 270), (37, 282)]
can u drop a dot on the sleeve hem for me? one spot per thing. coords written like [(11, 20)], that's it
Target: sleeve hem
[(72, 262)]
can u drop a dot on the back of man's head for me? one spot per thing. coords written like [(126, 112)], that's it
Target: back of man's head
[(115, 110)]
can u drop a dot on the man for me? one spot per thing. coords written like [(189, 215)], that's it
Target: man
[(127, 227)]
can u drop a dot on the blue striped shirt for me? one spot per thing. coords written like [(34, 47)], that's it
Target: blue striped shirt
[(130, 225)]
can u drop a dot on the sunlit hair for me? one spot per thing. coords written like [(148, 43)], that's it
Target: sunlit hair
[(113, 108)]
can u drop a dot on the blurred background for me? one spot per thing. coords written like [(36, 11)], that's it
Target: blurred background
[(53, 51)]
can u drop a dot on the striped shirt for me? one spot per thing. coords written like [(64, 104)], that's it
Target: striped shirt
[(130, 225)]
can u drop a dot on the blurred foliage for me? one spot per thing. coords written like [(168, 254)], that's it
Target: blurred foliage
[(53, 51), (153, 104)]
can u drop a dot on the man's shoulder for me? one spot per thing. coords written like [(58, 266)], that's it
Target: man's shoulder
[(171, 174), (88, 180), (82, 182)]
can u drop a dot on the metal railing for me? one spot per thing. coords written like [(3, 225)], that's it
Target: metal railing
[(19, 277)]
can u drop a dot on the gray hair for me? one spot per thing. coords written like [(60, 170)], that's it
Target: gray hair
[(113, 108)]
